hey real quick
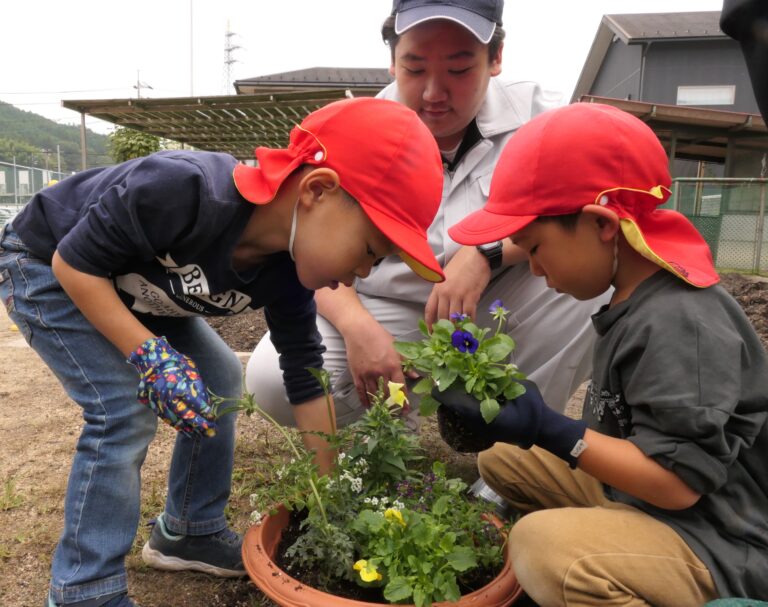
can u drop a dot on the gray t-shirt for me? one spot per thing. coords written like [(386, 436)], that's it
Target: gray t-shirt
[(681, 373)]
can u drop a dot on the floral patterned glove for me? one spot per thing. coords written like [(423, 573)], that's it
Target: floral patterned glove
[(524, 421), (171, 386)]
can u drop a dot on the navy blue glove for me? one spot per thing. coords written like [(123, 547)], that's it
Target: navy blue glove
[(525, 421)]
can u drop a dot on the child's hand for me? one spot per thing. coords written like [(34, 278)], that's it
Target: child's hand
[(171, 386), (524, 421)]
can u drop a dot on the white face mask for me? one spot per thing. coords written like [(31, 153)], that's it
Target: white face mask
[(292, 237)]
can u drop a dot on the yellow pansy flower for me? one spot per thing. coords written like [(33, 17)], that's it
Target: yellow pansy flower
[(368, 572), (396, 394), (394, 515)]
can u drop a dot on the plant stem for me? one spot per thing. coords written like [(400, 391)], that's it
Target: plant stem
[(287, 436), (252, 405)]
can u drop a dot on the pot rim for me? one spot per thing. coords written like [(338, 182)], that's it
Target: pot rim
[(259, 546)]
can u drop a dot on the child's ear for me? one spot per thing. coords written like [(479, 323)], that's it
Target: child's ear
[(606, 220), (318, 183)]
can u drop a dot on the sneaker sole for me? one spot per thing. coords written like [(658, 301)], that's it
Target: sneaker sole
[(158, 560)]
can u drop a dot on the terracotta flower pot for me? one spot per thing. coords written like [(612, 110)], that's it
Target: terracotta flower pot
[(259, 548)]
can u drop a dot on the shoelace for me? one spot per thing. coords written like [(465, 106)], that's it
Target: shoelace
[(227, 536)]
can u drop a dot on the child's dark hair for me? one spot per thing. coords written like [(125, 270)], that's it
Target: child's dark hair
[(568, 221), (391, 38)]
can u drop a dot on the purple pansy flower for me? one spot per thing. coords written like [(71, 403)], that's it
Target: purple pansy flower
[(458, 316), (497, 306), (464, 341)]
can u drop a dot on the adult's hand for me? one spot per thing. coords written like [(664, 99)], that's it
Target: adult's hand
[(371, 355), (466, 276)]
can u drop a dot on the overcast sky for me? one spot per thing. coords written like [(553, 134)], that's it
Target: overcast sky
[(80, 49)]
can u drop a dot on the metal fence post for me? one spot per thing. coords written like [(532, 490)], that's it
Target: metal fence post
[(15, 183), (759, 231)]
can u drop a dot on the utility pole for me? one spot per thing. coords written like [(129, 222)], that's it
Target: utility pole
[(139, 85), (229, 48), (191, 51), (58, 160)]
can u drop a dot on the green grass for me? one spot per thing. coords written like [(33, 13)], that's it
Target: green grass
[(10, 499)]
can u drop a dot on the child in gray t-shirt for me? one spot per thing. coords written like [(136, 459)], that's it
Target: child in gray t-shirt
[(659, 494)]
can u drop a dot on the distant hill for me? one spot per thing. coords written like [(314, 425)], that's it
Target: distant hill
[(24, 134)]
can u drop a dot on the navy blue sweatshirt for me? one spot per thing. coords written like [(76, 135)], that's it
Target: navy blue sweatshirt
[(163, 228)]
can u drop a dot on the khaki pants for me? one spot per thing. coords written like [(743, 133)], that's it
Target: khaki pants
[(578, 548)]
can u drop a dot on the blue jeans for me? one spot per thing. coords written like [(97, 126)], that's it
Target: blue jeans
[(101, 508)]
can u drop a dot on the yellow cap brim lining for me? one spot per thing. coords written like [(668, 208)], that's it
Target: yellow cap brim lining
[(636, 240), (420, 269)]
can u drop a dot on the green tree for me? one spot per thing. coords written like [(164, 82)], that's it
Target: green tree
[(21, 151), (125, 143)]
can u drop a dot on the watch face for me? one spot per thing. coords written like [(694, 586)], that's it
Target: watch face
[(490, 246)]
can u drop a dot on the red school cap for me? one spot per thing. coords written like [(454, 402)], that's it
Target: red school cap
[(386, 159), (590, 153)]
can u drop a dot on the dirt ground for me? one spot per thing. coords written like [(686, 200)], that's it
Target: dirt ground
[(39, 428)]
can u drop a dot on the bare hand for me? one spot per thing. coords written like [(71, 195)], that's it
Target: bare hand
[(370, 355), (466, 277)]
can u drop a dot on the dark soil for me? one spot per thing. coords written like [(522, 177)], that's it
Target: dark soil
[(456, 434), (752, 294), (243, 331)]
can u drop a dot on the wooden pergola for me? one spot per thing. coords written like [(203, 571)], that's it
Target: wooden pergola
[(234, 123), (695, 133)]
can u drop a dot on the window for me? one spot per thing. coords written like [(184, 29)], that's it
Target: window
[(706, 95), (3, 189)]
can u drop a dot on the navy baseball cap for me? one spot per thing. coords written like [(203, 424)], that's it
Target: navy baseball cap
[(478, 16)]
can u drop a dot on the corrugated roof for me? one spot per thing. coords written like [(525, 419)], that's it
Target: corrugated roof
[(327, 77), (234, 123), (694, 132), (658, 26)]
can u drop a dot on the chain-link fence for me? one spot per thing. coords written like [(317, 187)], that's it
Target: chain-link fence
[(730, 214), (18, 183)]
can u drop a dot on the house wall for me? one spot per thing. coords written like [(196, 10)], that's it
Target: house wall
[(619, 75), (670, 64)]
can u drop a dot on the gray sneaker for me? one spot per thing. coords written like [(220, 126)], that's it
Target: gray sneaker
[(216, 554)]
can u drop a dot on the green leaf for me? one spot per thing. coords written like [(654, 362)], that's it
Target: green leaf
[(444, 378), (499, 347), (398, 589), (428, 405), (514, 390), (408, 349), (462, 558), (423, 328), (423, 386), (443, 329), (440, 506), (489, 408), (450, 589), (395, 460)]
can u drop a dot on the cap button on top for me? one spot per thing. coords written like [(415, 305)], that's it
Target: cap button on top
[(318, 156)]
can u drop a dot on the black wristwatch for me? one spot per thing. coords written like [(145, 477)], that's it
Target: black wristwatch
[(492, 252)]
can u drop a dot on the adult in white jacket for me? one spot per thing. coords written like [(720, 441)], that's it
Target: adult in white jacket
[(445, 59)]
